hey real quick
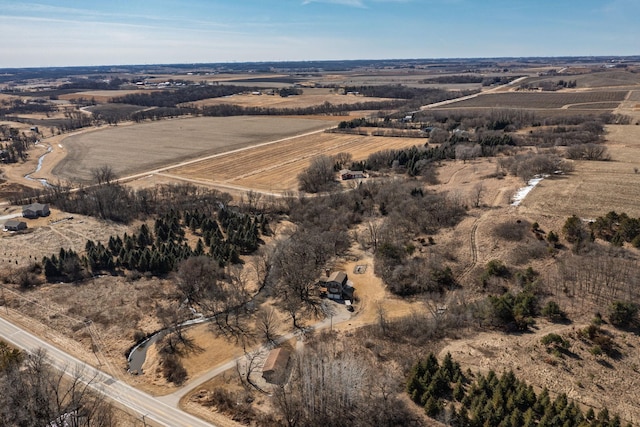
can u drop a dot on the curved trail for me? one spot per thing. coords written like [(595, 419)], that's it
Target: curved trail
[(474, 251)]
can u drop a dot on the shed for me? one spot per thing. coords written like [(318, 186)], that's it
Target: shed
[(34, 210), (274, 369), (15, 225)]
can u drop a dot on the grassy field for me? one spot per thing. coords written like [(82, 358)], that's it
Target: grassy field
[(595, 188), (136, 148), (275, 167), (538, 100)]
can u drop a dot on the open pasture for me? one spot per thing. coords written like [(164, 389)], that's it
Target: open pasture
[(275, 167), (141, 147), (595, 188), (537, 100), (309, 98)]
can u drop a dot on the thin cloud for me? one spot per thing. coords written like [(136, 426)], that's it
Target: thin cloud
[(351, 3)]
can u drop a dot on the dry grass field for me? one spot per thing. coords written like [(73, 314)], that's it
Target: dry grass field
[(275, 167), (538, 100), (102, 96), (132, 149), (590, 381), (309, 98), (595, 188), (590, 80)]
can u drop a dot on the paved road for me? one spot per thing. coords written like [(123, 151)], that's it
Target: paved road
[(340, 314), (154, 411), (475, 95)]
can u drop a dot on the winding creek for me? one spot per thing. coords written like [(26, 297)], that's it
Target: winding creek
[(42, 181), (138, 353)]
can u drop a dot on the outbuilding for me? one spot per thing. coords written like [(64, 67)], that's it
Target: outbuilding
[(275, 367), (15, 225), (35, 210)]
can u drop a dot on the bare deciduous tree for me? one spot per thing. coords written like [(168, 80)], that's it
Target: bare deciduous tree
[(319, 176), (267, 323), (32, 393), (476, 194)]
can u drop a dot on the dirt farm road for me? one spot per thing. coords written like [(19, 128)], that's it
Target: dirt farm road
[(148, 408)]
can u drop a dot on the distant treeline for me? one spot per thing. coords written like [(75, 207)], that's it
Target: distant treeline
[(457, 79), (95, 83), (406, 92), (171, 98), (17, 106)]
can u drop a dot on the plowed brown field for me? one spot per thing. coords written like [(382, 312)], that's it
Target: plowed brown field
[(275, 167), (143, 147)]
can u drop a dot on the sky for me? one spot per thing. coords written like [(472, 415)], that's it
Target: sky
[(43, 33)]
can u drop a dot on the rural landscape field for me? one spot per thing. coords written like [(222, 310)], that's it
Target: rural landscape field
[(425, 243)]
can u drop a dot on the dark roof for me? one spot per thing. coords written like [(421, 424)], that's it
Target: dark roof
[(35, 207), (13, 223)]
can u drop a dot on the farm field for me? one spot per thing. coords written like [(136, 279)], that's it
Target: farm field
[(275, 167), (590, 80), (594, 106), (309, 98), (538, 100), (141, 147), (595, 188), (101, 96)]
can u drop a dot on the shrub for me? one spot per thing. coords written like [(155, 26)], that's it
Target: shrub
[(622, 314), (173, 370), (553, 312), (554, 341), (511, 230), (517, 309)]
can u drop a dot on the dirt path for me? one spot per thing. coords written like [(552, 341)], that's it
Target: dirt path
[(474, 252)]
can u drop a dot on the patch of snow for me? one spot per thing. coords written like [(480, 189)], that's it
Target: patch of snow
[(522, 192)]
